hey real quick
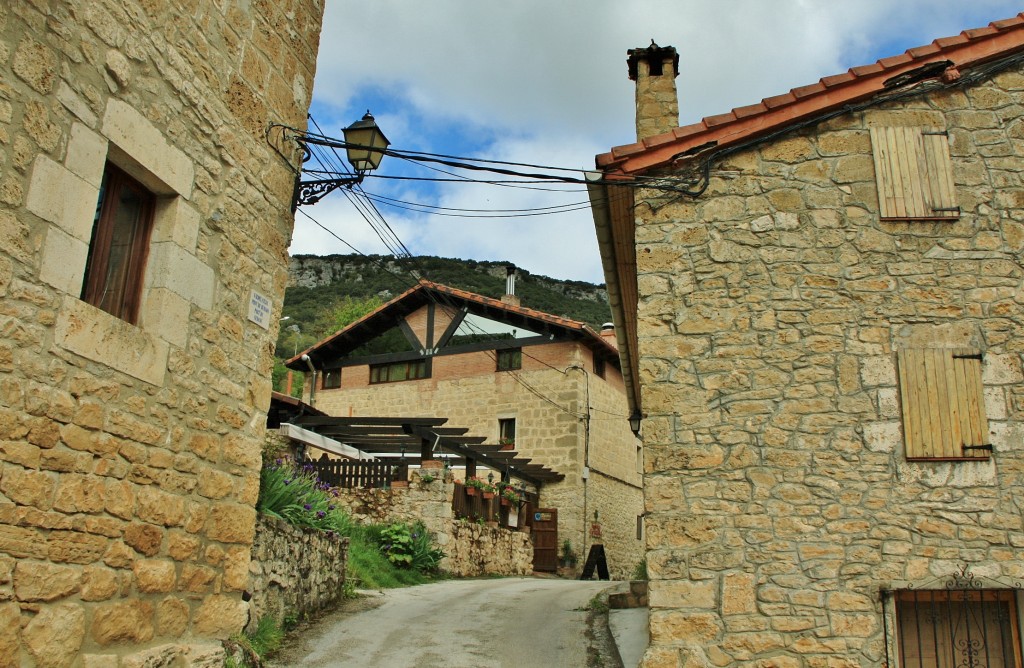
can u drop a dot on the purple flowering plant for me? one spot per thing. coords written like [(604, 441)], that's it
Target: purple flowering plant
[(292, 492)]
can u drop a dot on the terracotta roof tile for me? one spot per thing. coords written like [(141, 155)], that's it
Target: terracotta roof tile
[(944, 42), (778, 100), (687, 130), (1006, 23), (749, 110), (975, 33), (865, 70), (965, 50), (720, 119), (921, 51), (659, 139), (810, 89), (837, 79)]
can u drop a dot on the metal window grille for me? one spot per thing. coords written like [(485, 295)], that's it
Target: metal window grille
[(962, 624)]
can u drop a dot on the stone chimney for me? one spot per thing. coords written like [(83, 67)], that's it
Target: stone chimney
[(654, 69), (608, 333), (510, 296)]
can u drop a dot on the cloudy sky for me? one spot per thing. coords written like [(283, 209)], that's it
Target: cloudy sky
[(544, 82)]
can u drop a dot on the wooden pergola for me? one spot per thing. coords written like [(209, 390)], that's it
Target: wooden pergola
[(416, 440)]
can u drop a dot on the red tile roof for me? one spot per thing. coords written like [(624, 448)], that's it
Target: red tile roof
[(969, 48), (425, 291)]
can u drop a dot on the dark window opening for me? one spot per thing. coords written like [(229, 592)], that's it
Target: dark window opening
[(119, 247), (510, 359), (398, 371), (331, 379), (599, 367), (507, 433)]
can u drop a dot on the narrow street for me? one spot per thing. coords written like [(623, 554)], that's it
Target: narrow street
[(495, 623)]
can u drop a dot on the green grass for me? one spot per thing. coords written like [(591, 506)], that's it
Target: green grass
[(380, 556), (371, 569)]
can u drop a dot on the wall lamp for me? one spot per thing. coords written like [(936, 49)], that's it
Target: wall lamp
[(364, 144), (634, 422)]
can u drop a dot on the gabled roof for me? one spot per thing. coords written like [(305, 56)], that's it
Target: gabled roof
[(427, 292), (944, 57)]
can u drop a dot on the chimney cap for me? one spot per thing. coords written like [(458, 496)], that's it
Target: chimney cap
[(608, 325), (653, 54)]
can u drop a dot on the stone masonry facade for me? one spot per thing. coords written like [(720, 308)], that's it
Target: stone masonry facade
[(130, 453), (779, 496), (466, 389)]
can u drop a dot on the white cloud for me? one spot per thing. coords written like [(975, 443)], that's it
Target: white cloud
[(545, 82)]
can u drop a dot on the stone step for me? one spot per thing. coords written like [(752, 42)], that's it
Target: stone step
[(636, 597)]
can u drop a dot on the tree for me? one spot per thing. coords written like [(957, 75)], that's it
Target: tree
[(343, 312)]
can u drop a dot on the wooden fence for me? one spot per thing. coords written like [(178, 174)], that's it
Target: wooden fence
[(351, 473)]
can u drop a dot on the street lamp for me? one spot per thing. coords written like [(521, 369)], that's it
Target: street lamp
[(364, 144)]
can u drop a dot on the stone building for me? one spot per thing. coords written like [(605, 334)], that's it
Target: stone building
[(145, 219), (820, 304), (549, 387)]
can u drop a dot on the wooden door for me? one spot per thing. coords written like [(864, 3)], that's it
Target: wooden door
[(545, 539)]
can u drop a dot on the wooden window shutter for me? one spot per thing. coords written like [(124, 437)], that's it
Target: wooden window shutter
[(943, 404), (914, 174)]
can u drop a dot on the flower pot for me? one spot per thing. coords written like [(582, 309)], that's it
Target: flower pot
[(488, 495), (471, 491), (504, 501)]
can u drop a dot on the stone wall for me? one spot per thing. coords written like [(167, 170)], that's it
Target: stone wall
[(469, 549), (129, 453), (294, 571), (477, 550), (779, 495)]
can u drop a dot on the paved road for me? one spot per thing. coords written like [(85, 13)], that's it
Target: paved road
[(499, 623)]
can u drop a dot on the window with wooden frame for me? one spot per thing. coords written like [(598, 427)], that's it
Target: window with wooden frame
[(949, 629), (393, 372), (914, 174), (119, 247), (510, 359), (331, 379), (943, 404), (507, 433)]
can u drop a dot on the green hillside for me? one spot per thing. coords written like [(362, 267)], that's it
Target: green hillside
[(322, 284)]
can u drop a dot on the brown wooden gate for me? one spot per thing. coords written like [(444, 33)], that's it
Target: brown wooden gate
[(545, 539)]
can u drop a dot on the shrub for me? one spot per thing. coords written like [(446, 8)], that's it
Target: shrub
[(295, 495), (410, 546)]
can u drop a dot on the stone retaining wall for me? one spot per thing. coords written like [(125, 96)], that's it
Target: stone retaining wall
[(294, 571), (477, 549), (469, 549)]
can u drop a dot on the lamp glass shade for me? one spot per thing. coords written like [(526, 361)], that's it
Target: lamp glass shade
[(366, 144)]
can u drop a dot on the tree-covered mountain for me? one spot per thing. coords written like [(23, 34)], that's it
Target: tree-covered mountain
[(323, 289)]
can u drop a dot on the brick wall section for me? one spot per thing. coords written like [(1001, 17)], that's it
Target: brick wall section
[(129, 455), (468, 391), (780, 499)]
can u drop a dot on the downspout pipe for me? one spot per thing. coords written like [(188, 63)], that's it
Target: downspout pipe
[(312, 384)]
